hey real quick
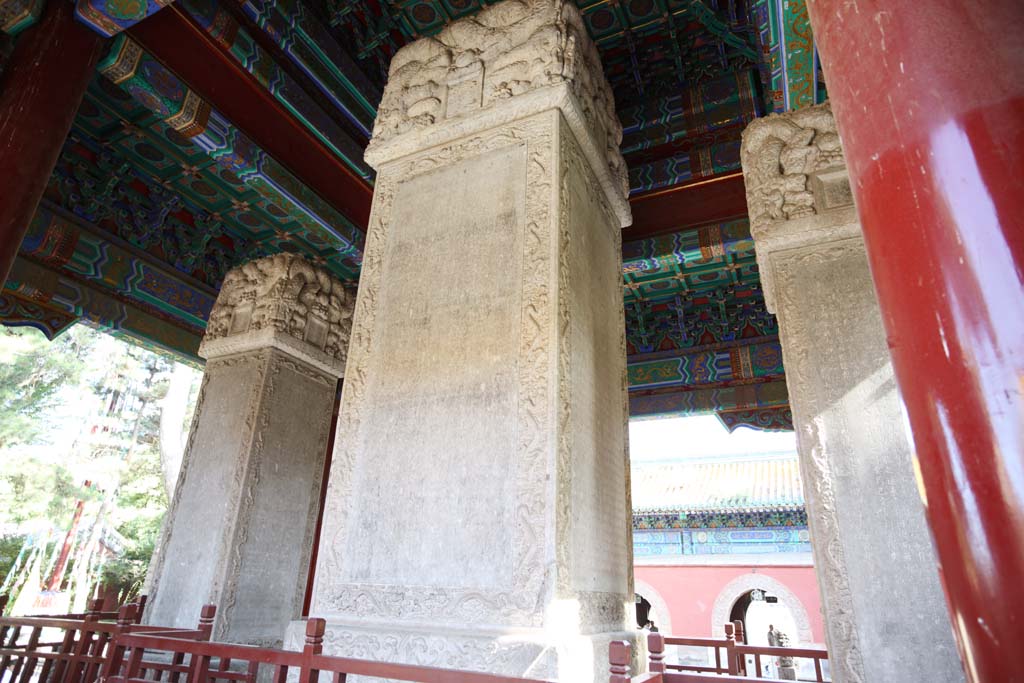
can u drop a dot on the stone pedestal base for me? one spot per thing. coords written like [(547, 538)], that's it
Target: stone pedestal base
[(528, 653)]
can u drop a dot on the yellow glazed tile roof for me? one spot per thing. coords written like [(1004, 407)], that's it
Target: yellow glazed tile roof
[(717, 484)]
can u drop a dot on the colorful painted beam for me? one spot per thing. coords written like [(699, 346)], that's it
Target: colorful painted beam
[(711, 366), (17, 15), (110, 17), (154, 87), (777, 419), (790, 516), (241, 46), (309, 45), (695, 164), (99, 309), (196, 58), (689, 247), (789, 58), (693, 288), (65, 245), (718, 103), (19, 309), (703, 401)]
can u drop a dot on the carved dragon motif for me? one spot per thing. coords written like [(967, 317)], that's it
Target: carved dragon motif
[(780, 153), (287, 293), (501, 52)]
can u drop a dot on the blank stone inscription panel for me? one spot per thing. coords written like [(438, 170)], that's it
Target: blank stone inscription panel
[(437, 443)]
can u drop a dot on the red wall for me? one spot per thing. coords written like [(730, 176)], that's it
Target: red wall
[(690, 592)]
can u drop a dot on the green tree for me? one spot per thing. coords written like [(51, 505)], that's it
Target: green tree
[(117, 389), (32, 371)]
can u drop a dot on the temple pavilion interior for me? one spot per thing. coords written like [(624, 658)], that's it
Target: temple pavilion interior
[(157, 194), (176, 170)]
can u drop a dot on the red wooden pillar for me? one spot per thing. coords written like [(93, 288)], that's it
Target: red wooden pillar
[(929, 101), (40, 91)]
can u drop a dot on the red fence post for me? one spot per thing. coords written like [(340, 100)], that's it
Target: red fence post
[(741, 639), (141, 608), (656, 652), (741, 636), (313, 646), (206, 617), (315, 629), (619, 655), (730, 650)]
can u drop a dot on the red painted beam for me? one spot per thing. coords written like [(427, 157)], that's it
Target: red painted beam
[(174, 39), (930, 106), (712, 200), (42, 87)]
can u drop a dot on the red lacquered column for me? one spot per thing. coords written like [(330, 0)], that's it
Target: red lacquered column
[(40, 91), (929, 101)]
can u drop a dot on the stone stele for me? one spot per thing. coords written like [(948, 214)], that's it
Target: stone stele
[(239, 531), (477, 514), (873, 554)]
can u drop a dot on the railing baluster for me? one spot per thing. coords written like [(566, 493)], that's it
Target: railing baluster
[(280, 673), (206, 617), (619, 655), (818, 676), (313, 646), (741, 639), (252, 672), (656, 652), (730, 650), (63, 655), (200, 671), (134, 664), (30, 661), (177, 660), (11, 644), (140, 608)]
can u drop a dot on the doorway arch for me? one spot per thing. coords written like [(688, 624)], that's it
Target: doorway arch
[(658, 605), (743, 584)]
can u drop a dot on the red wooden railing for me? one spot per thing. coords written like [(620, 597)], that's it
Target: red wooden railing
[(620, 653), (144, 658), (730, 657), (72, 648)]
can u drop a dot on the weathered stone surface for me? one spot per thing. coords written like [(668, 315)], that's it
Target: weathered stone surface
[(240, 528), (477, 514), (874, 557), (506, 62), (285, 302)]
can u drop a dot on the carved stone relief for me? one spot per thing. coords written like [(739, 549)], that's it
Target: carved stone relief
[(286, 301), (507, 61), (518, 81), (782, 156), (854, 455), (793, 166), (448, 604)]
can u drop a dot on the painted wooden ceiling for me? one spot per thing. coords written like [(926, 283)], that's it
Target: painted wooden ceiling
[(158, 193)]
